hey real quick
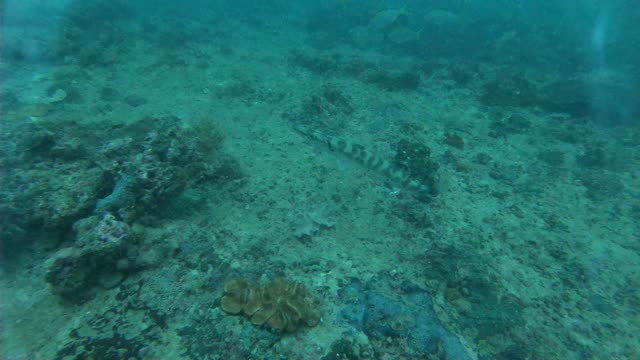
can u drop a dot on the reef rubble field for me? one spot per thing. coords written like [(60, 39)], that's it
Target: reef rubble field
[(171, 165)]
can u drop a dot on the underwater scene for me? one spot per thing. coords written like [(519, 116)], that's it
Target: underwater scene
[(319, 180)]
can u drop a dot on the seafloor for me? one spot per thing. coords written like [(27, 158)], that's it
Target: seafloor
[(529, 250)]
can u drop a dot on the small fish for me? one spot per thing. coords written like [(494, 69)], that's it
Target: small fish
[(442, 19), (402, 35), (386, 18)]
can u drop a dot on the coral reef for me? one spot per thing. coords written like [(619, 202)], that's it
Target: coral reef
[(98, 181), (95, 257), (159, 160), (453, 140), (329, 108), (569, 96), (407, 80), (509, 90), (330, 101), (50, 181), (401, 315), (414, 158), (402, 79), (283, 305), (594, 156), (514, 124)]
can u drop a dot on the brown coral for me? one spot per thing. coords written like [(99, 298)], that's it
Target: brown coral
[(281, 304)]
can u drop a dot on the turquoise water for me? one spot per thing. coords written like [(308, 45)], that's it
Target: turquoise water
[(319, 180)]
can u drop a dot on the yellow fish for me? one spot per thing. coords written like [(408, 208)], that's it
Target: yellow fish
[(386, 18), (402, 35)]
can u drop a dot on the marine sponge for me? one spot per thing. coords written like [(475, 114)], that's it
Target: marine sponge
[(281, 304)]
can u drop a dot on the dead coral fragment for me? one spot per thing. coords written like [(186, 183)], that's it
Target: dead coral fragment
[(282, 304)]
